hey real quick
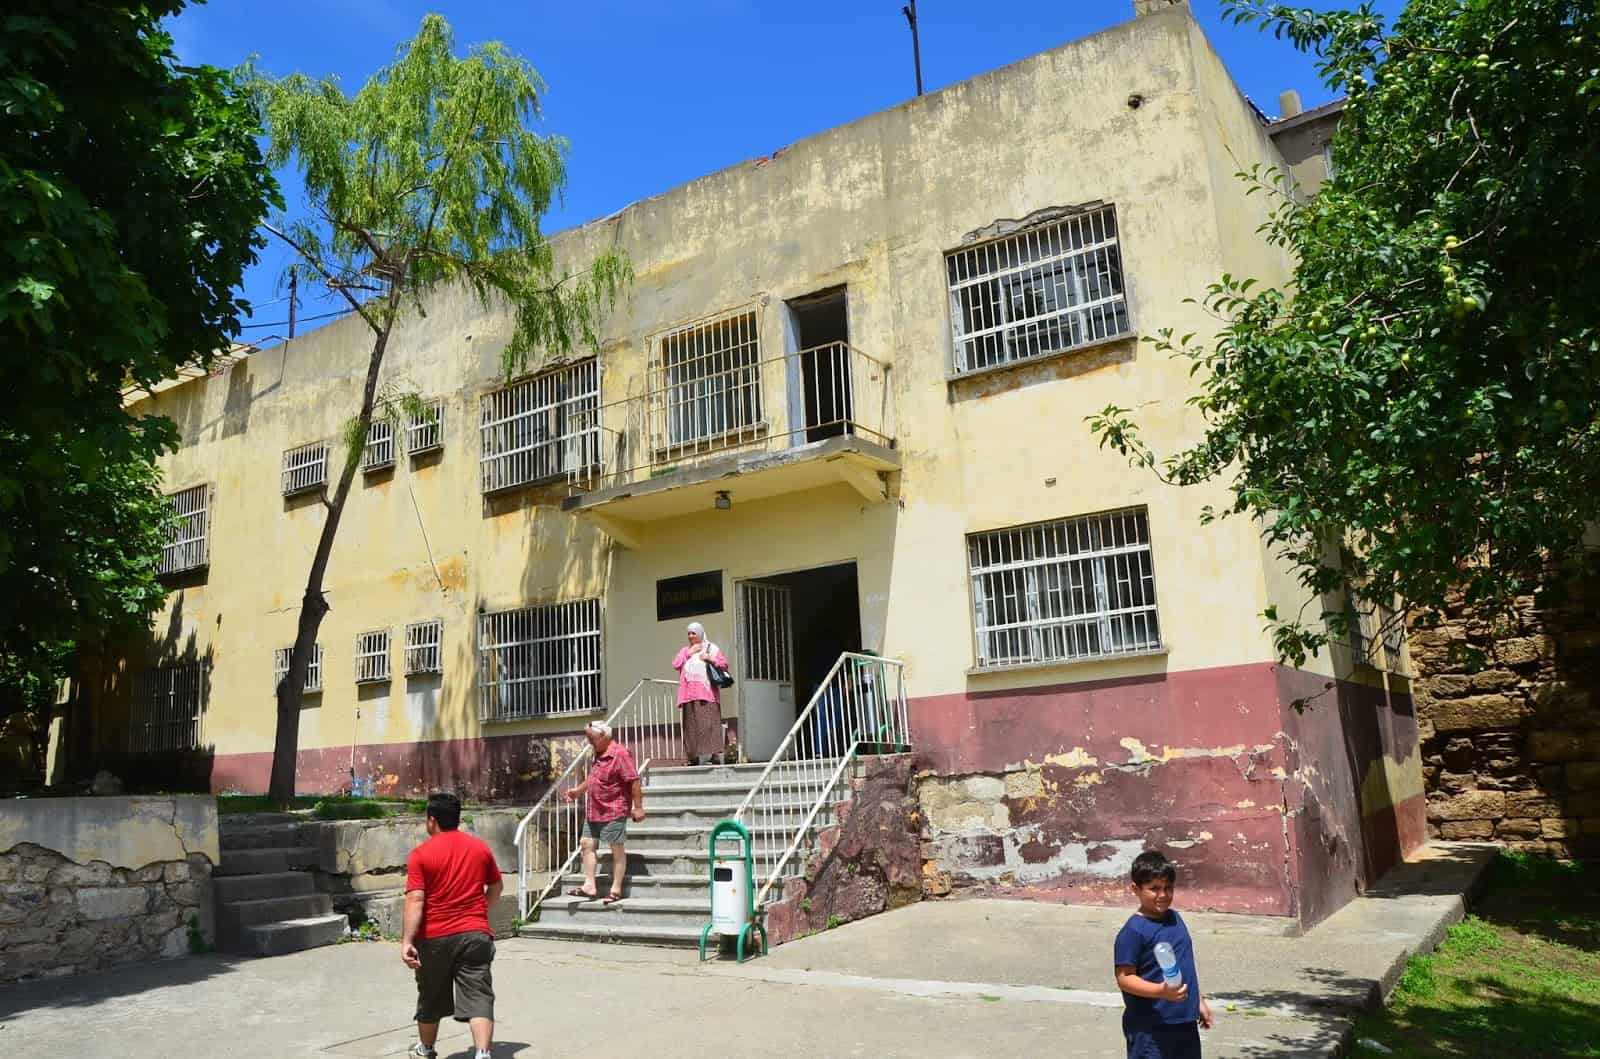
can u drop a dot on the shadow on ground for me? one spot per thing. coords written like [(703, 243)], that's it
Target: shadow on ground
[(110, 984)]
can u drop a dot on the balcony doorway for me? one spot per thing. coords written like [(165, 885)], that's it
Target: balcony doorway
[(792, 629), (819, 329)]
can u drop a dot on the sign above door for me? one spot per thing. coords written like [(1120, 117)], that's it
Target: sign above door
[(691, 594)]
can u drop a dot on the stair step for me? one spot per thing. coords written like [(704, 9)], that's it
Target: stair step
[(647, 911), (736, 775), (624, 933), (678, 886), (267, 861), (234, 821), (291, 935), (266, 836), (233, 888), (233, 916)]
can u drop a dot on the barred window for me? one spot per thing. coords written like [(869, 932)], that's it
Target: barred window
[(280, 668), (378, 454), (424, 644), (1037, 292), (372, 657), (166, 710), (188, 547), (305, 468), (1070, 589), (708, 378), (1378, 636), (425, 432), (538, 661), (546, 426)]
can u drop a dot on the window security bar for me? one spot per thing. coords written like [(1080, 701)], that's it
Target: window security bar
[(378, 453), (1065, 590), (280, 668), (539, 661), (187, 546), (425, 433), (540, 428), (372, 657), (424, 643), (305, 468), (166, 705), (1040, 291)]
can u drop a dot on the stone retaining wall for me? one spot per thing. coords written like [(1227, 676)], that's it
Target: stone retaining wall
[(1511, 739), (91, 883)]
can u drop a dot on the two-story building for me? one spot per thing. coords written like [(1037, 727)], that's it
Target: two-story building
[(841, 407)]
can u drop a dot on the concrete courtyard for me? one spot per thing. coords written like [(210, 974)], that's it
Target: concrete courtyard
[(941, 979)]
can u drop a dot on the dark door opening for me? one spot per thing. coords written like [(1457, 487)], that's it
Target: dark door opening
[(824, 621), (822, 335)]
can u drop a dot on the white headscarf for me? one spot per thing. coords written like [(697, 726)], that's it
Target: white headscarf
[(698, 629)]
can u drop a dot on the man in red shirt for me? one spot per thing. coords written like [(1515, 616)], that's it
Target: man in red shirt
[(450, 881), (612, 785)]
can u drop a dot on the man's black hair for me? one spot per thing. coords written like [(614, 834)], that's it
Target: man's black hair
[(1153, 864), (445, 810)]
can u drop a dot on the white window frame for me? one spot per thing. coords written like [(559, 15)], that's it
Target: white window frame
[(540, 429), (1038, 292), (165, 708), (1066, 590), (541, 661), (424, 648), (378, 453), (705, 380), (372, 657), (305, 468), (188, 545), (280, 669), (425, 434)]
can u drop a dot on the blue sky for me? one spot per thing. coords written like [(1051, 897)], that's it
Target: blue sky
[(653, 93)]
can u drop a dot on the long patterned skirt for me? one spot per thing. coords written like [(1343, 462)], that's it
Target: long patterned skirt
[(702, 730)]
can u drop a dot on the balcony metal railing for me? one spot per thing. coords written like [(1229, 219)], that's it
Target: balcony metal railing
[(699, 408)]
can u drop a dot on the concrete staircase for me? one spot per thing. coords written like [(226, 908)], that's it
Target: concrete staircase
[(267, 903), (667, 894)]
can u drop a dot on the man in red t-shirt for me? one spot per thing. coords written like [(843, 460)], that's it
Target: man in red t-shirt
[(612, 786), (450, 881)]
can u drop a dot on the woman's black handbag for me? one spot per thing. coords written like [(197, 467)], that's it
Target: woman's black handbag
[(720, 678)]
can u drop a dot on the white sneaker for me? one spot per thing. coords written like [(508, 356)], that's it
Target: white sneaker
[(418, 1051)]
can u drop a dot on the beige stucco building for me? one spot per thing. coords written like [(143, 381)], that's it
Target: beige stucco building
[(841, 407)]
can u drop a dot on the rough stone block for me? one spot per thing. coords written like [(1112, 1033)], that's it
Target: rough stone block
[(1560, 745), (10, 867), (1532, 803), (1474, 805), (1559, 828), (1479, 712), (112, 902), (21, 902), (1459, 830), (176, 872), (1457, 782), (1521, 650), (176, 943), (984, 788), (1493, 680), (36, 873), (1518, 828), (1026, 784), (97, 873), (1536, 848), (1446, 685), (1583, 775)]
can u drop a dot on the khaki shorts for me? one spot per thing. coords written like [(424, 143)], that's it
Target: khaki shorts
[(607, 832), (454, 978)]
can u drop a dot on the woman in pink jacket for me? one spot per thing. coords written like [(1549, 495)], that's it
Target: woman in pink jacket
[(698, 697)]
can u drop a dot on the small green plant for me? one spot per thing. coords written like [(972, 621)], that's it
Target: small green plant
[(198, 945), (1470, 937), (1418, 982), (990, 997), (805, 905), (835, 921)]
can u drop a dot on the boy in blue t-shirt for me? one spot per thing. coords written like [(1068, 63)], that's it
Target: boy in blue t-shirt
[(1159, 1022)]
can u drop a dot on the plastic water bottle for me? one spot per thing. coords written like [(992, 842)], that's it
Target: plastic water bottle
[(1169, 964)]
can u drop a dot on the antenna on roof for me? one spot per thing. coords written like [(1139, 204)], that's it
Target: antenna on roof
[(910, 11)]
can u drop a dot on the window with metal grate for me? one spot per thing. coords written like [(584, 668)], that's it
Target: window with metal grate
[(188, 545), (538, 661), (1036, 292), (378, 454), (540, 428), (372, 657), (305, 468), (166, 704), (1065, 590), (280, 668), (424, 647), (707, 380), (425, 432)]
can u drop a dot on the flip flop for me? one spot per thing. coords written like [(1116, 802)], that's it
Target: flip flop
[(611, 899), (585, 894)]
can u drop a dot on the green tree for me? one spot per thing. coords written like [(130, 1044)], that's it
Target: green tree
[(1424, 397), (429, 176), (130, 188)]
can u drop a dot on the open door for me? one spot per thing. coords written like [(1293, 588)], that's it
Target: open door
[(766, 667)]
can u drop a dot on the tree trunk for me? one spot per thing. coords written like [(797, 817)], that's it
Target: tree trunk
[(286, 745)]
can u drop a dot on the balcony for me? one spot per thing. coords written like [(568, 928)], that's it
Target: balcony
[(718, 423)]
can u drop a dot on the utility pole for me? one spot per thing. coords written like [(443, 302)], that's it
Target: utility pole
[(294, 284), (910, 11)]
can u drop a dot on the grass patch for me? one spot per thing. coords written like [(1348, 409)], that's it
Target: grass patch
[(1520, 976)]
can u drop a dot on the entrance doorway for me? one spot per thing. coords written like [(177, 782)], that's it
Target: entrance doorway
[(792, 628), (820, 330)]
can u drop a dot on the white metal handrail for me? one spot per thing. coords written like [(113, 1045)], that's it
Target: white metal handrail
[(701, 407), (860, 705), (647, 723)]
